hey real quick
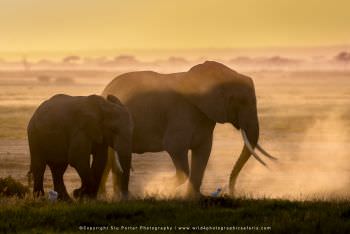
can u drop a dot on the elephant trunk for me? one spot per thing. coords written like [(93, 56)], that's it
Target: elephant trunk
[(249, 126)]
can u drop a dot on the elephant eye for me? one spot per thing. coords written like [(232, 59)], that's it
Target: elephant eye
[(114, 129)]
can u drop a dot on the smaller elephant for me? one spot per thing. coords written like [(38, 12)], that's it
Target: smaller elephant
[(66, 130)]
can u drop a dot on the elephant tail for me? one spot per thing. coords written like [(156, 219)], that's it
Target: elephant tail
[(30, 177)]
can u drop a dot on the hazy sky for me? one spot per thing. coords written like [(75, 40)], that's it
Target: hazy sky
[(27, 25)]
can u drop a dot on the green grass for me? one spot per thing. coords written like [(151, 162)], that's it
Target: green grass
[(11, 187), (281, 215)]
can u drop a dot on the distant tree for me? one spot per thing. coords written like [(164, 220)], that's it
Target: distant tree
[(94, 61), (242, 60), (177, 60), (64, 80), (71, 59), (43, 79), (126, 60), (343, 57), (278, 60)]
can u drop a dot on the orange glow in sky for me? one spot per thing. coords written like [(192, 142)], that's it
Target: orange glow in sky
[(58, 25)]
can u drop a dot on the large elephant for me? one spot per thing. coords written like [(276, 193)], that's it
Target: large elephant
[(178, 112), (67, 130)]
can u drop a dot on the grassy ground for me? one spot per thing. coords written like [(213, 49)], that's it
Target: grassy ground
[(276, 216)]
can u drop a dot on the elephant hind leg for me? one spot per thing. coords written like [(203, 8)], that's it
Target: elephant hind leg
[(57, 171), (176, 144), (37, 166), (38, 170), (199, 161)]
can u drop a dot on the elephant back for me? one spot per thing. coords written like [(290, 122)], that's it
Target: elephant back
[(210, 86)]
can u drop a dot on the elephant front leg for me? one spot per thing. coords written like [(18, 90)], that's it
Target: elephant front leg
[(79, 158), (123, 152), (125, 161), (98, 166), (87, 182)]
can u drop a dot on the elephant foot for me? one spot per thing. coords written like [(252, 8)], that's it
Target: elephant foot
[(64, 198), (231, 194), (83, 193), (102, 196), (78, 193), (124, 196), (119, 196), (38, 194), (102, 191), (193, 194)]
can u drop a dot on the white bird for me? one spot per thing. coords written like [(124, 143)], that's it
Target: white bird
[(217, 192)]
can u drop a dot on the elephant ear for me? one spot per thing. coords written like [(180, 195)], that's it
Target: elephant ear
[(205, 86), (114, 99), (92, 128), (91, 117)]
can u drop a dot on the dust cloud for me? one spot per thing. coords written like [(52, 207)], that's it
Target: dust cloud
[(159, 186), (314, 166)]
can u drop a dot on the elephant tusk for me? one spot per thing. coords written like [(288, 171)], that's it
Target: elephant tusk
[(250, 148), (117, 161), (265, 153)]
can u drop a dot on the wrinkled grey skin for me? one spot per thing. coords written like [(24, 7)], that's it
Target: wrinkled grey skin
[(178, 112), (67, 130)]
